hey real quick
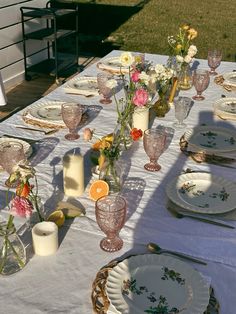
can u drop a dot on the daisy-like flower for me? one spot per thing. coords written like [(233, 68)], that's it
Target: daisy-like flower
[(144, 77), (21, 206), (112, 83), (126, 59)]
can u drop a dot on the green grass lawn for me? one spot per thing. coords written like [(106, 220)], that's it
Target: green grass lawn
[(147, 28)]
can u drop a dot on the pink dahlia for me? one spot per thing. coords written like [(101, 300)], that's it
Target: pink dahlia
[(21, 206), (135, 76), (140, 97)]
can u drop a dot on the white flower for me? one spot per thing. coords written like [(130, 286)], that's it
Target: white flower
[(192, 50), (144, 77), (111, 83), (187, 59), (159, 68), (179, 59), (126, 59)]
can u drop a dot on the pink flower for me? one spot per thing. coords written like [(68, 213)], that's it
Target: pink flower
[(140, 97), (135, 76), (21, 206), (88, 134)]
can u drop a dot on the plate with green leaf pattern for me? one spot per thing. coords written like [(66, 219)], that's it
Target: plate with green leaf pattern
[(202, 193), (156, 284), (212, 139)]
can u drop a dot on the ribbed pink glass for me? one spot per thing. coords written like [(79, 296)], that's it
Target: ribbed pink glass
[(71, 115), (105, 91), (110, 215), (214, 59), (154, 143), (201, 81)]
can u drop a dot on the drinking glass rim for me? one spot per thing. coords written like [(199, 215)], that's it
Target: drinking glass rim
[(121, 198)]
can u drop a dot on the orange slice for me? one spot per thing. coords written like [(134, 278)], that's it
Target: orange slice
[(98, 189)]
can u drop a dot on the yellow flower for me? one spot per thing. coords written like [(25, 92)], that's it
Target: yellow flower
[(178, 48), (126, 59), (192, 33), (185, 27)]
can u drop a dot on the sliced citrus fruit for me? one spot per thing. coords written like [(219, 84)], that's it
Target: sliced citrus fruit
[(69, 210), (98, 189), (58, 217)]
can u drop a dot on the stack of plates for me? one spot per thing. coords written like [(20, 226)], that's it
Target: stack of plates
[(86, 86), (225, 108), (148, 283), (113, 65), (230, 79)]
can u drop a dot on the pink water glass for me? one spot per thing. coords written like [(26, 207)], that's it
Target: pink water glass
[(110, 213), (201, 81), (71, 115), (214, 58), (105, 91), (154, 141)]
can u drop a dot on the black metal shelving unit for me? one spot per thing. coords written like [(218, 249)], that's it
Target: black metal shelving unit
[(53, 65)]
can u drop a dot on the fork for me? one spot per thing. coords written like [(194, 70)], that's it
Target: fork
[(38, 130)]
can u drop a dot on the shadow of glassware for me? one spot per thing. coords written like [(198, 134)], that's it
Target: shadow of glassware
[(42, 148), (92, 111), (133, 190)]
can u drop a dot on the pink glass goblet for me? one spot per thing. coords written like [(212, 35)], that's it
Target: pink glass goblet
[(214, 58), (105, 91), (110, 213), (201, 81), (11, 154), (154, 141), (71, 115)]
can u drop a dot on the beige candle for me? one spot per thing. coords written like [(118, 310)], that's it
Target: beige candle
[(45, 238), (141, 118), (73, 174)]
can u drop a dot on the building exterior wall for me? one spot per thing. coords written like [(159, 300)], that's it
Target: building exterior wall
[(11, 47)]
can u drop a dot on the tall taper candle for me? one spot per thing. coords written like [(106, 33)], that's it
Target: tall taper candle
[(141, 118), (45, 238), (73, 174)]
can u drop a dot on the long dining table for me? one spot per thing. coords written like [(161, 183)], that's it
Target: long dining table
[(62, 283)]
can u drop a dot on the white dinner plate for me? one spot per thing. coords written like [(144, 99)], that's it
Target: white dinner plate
[(202, 193), (113, 65), (144, 282), (83, 85), (226, 108), (26, 146), (230, 78), (212, 139)]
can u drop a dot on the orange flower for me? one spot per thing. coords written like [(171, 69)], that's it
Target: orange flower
[(136, 134), (23, 190)]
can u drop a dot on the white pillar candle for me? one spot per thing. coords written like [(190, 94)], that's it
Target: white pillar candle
[(73, 174), (141, 118), (45, 238), (3, 99)]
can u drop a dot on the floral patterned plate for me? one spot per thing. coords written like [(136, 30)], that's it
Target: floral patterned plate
[(113, 65), (203, 193), (86, 86), (153, 283), (226, 108), (230, 78), (212, 139)]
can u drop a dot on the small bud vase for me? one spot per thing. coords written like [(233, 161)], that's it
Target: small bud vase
[(185, 77), (161, 107), (12, 251), (111, 173)]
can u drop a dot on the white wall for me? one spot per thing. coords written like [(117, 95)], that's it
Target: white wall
[(11, 50)]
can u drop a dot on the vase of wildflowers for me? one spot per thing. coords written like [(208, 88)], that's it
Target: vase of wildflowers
[(163, 75), (137, 95), (184, 51)]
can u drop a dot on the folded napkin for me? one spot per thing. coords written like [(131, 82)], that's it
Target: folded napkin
[(76, 91)]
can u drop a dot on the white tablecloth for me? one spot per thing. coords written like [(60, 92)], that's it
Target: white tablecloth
[(62, 283)]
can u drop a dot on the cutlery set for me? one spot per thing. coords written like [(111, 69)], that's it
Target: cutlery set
[(52, 131)]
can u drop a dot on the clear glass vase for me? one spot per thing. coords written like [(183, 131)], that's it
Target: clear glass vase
[(12, 251), (111, 172), (185, 77), (122, 135)]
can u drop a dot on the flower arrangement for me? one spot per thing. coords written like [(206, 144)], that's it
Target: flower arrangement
[(22, 204), (181, 44)]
